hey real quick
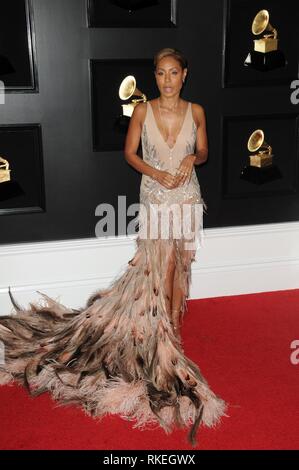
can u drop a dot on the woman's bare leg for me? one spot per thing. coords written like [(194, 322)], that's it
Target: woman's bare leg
[(169, 280), (176, 307), (179, 290)]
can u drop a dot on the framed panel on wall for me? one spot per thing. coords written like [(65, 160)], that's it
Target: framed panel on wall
[(21, 169), (109, 121), (132, 13), (260, 43), (18, 70), (260, 156)]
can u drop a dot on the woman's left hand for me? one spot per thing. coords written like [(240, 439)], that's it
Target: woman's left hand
[(185, 170)]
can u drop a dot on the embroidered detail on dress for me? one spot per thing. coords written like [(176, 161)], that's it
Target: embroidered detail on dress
[(150, 151)]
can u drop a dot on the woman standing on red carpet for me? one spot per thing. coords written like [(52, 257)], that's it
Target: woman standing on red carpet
[(122, 353)]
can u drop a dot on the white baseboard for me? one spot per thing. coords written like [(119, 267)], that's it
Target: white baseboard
[(231, 261)]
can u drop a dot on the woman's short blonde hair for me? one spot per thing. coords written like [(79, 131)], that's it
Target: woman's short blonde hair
[(169, 51)]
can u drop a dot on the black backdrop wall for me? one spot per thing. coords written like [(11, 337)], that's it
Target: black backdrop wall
[(77, 179)]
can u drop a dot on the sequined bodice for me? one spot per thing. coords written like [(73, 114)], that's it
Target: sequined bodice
[(158, 154)]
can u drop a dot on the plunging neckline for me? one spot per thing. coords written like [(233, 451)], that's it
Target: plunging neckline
[(180, 131)]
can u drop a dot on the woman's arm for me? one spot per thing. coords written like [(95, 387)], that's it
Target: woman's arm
[(201, 153), (133, 140)]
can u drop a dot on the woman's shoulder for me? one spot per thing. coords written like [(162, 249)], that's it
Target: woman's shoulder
[(140, 109), (139, 113), (198, 113), (197, 108)]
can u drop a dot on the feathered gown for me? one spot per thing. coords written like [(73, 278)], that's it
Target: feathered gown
[(118, 353)]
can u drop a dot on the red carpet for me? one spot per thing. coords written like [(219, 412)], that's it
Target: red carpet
[(242, 345)]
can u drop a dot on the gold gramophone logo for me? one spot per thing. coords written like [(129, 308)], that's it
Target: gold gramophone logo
[(261, 25), (263, 155), (265, 55), (127, 90), (260, 169), (4, 171)]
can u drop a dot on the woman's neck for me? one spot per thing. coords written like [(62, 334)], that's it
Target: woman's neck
[(171, 103)]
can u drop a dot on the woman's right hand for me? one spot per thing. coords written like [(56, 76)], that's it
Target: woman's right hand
[(165, 178)]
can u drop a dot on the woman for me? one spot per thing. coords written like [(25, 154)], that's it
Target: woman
[(121, 353), (168, 136)]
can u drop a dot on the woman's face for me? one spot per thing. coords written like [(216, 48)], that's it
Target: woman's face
[(169, 76)]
